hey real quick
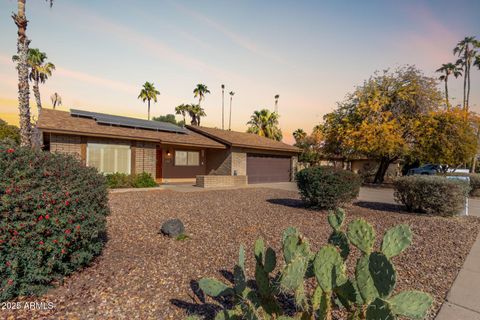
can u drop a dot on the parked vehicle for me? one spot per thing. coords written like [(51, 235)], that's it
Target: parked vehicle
[(432, 169)]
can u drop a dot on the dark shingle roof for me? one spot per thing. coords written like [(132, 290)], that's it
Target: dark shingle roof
[(243, 139)]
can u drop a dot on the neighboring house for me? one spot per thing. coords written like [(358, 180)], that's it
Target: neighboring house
[(168, 152)]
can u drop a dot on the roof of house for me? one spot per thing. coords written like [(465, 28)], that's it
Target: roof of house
[(56, 121), (243, 139)]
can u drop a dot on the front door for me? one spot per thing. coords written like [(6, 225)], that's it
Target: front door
[(158, 167)]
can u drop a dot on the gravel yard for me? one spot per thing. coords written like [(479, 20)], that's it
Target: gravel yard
[(143, 275)]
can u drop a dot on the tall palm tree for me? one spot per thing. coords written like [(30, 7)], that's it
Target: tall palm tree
[(200, 91), (276, 102), (22, 67), (265, 123), (448, 69), (148, 93), (56, 100), (223, 106), (182, 109), (466, 50), (230, 115), (299, 135), (196, 113), (40, 70)]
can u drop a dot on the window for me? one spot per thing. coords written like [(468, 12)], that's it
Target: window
[(109, 158), (187, 158)]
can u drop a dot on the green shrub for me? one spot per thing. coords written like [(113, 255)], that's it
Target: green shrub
[(122, 180), (119, 180), (431, 194), (317, 283), (327, 187), (52, 218), (143, 180)]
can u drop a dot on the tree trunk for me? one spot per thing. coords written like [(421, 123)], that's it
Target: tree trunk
[(36, 93), (149, 109), (465, 81), (382, 170), (446, 92), (223, 109), (230, 116), (22, 68), (468, 87)]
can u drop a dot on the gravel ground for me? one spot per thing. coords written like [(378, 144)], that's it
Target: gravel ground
[(143, 275)]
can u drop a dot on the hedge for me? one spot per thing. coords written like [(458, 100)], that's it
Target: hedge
[(121, 180), (52, 218), (436, 195), (327, 187)]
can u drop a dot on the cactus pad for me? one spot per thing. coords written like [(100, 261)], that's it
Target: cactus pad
[(259, 250), (396, 240), (294, 272), (383, 274), (379, 310), (270, 260), (214, 288), (335, 218), (340, 240), (364, 281), (412, 304), (362, 235), (329, 268)]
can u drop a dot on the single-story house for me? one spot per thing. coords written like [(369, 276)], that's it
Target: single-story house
[(168, 152)]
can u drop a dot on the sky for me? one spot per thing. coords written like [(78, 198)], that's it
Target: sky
[(311, 53)]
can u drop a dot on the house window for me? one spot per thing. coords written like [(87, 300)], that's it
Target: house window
[(187, 158), (109, 158)]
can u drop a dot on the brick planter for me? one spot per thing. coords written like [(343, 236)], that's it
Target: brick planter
[(212, 181)]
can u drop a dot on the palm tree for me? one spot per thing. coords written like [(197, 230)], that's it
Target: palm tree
[(477, 61), (230, 116), (200, 91), (448, 69), (196, 113), (299, 135), (182, 109), (223, 108), (148, 93), (276, 102), (465, 49), (56, 100), (22, 68), (265, 123), (39, 72)]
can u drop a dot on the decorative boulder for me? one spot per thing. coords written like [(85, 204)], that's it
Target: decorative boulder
[(173, 228)]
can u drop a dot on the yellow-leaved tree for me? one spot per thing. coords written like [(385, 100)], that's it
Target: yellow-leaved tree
[(380, 118)]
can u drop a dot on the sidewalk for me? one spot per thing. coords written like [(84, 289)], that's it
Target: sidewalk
[(463, 300)]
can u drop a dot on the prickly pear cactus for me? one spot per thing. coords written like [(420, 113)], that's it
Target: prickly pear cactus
[(366, 296)]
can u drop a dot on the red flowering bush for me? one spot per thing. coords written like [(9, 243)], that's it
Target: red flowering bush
[(52, 218)]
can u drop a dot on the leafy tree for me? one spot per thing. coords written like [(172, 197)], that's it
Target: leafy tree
[(446, 137), (448, 69), (170, 118), (466, 50), (196, 113), (380, 118), (9, 132), (148, 93), (265, 123), (199, 92), (230, 116), (311, 145)]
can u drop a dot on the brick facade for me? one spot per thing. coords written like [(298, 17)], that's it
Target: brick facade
[(68, 144), (145, 157), (239, 163), (211, 181)]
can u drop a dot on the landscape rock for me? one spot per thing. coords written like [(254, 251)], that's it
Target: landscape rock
[(173, 228)]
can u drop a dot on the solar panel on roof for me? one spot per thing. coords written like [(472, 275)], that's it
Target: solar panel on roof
[(107, 119)]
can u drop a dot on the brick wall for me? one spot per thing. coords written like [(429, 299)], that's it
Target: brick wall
[(219, 162), (145, 157), (239, 163), (66, 144), (212, 181)]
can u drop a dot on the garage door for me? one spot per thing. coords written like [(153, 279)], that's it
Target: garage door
[(263, 168)]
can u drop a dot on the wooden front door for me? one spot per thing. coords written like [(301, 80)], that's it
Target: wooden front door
[(158, 167)]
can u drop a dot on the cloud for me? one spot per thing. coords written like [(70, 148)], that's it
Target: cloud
[(233, 36)]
